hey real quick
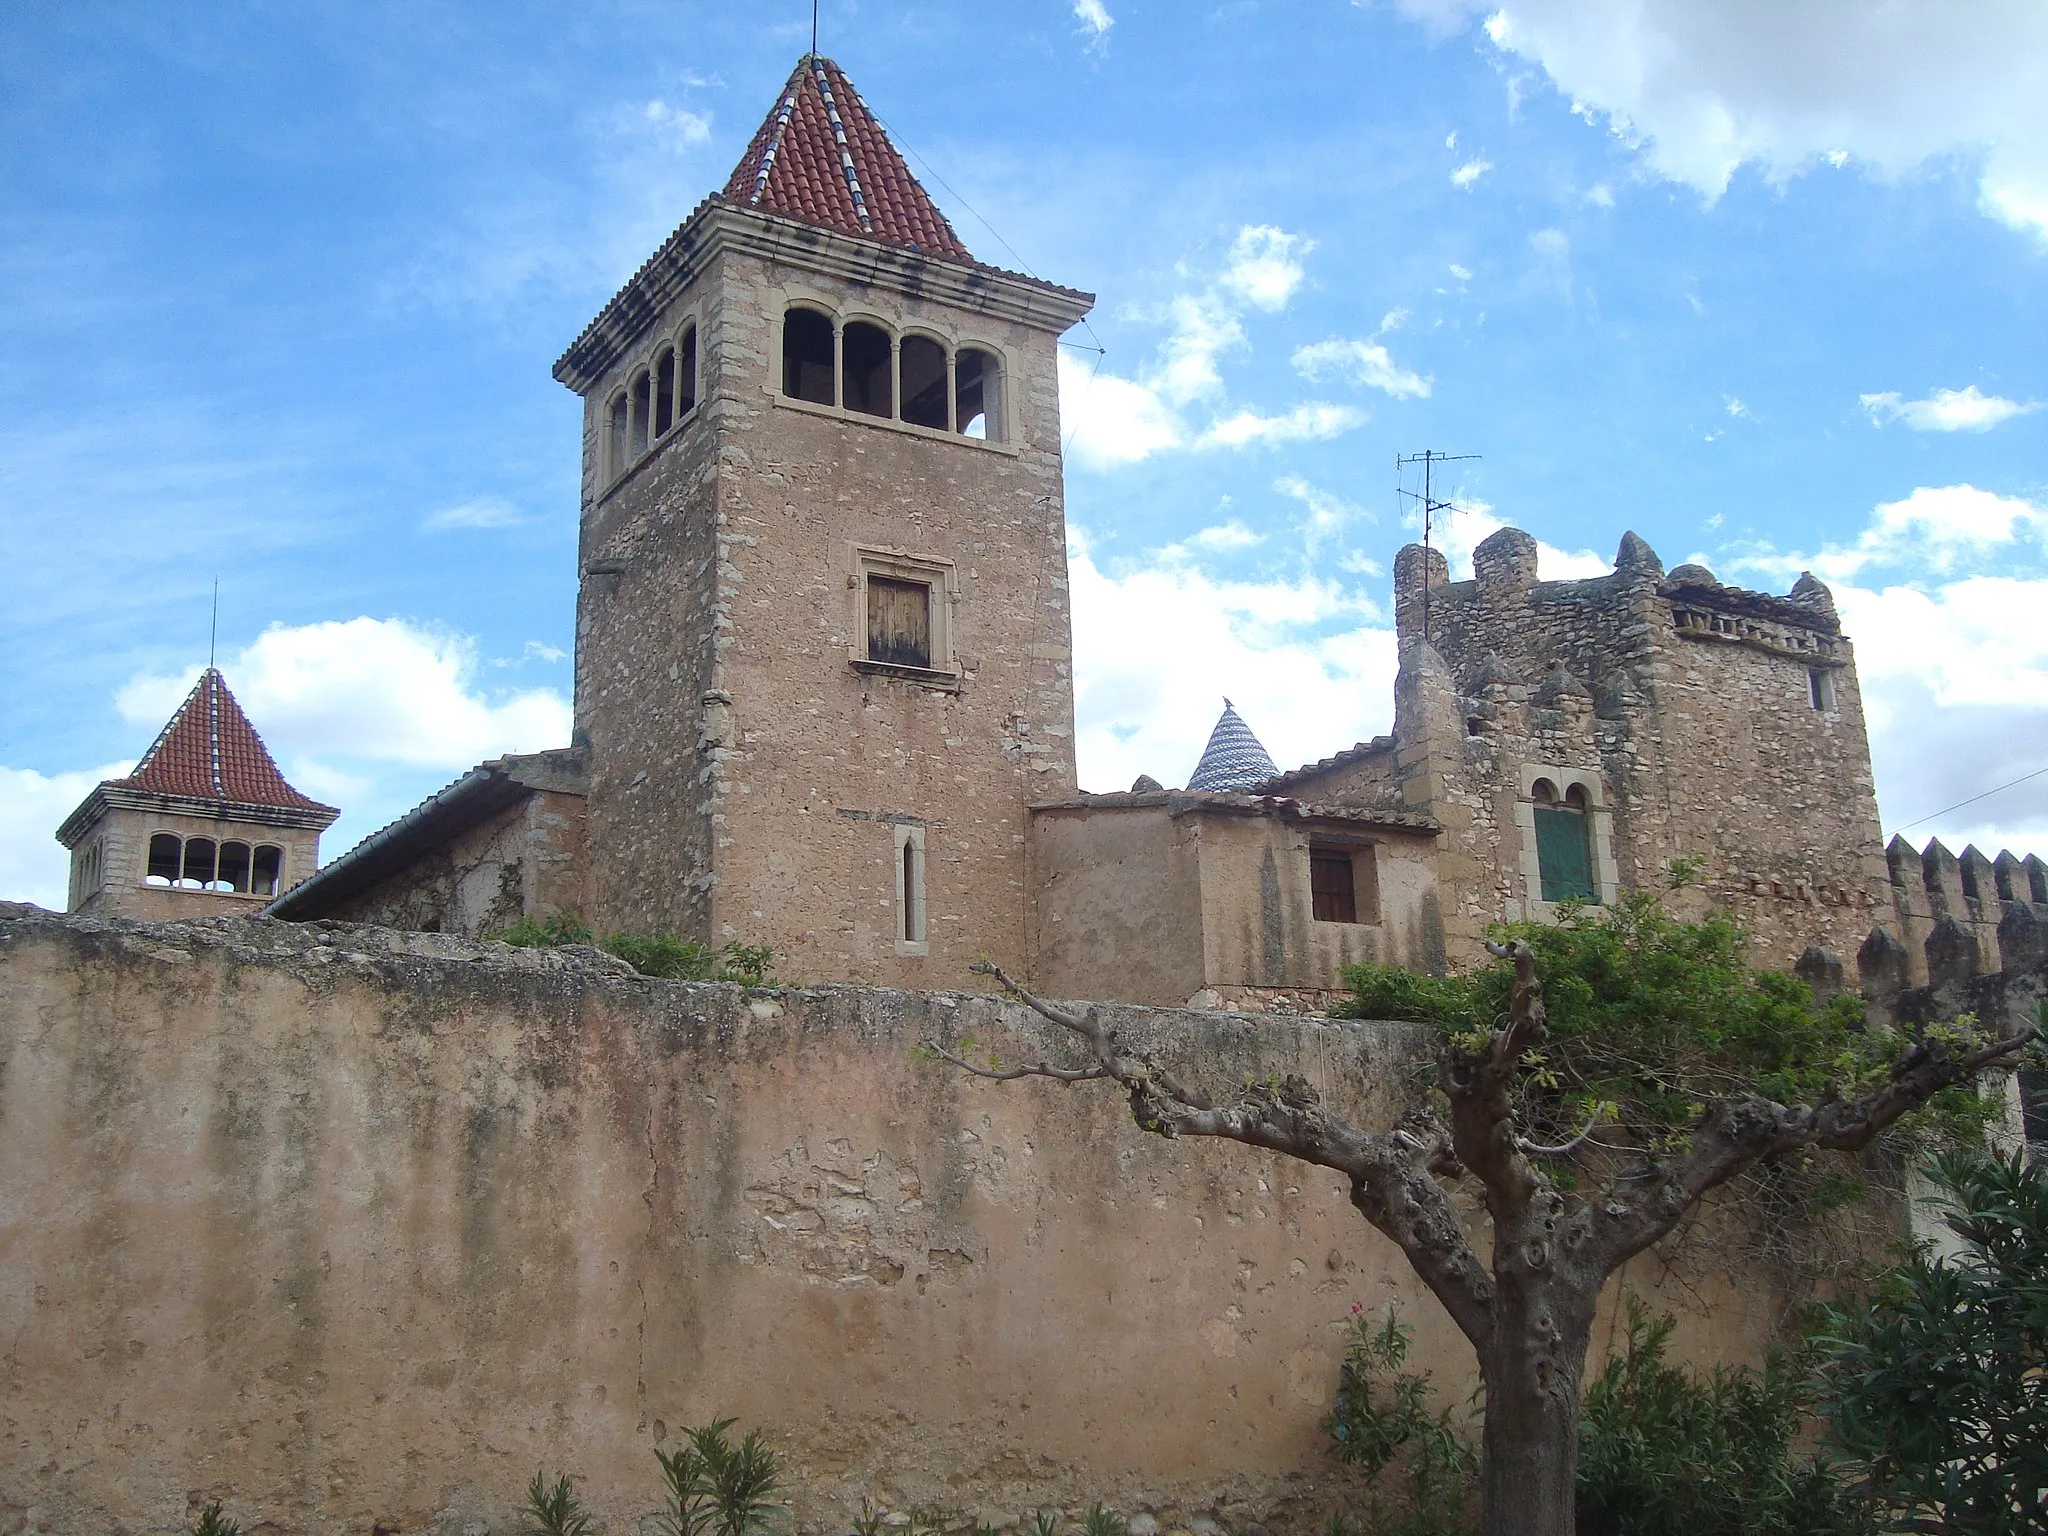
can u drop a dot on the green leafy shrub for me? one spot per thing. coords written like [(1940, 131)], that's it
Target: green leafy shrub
[(550, 932), (1664, 1450), (716, 1488), (554, 1510), (1938, 1386), (1382, 1412), (212, 1522), (661, 955)]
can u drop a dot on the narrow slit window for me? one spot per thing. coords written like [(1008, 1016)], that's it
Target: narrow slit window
[(1820, 688), (977, 393), (267, 874), (807, 357), (912, 906), (867, 365), (924, 382), (642, 392), (910, 928), (166, 858), (899, 622), (1333, 895), (686, 374), (664, 391), (1564, 848)]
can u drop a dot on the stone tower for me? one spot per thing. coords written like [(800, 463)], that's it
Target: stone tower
[(823, 645), (1575, 738), (205, 826)]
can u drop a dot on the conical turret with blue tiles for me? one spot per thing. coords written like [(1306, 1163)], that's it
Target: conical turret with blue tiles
[(1234, 759)]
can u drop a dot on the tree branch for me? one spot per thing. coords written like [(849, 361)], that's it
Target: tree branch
[(1481, 1085), (1392, 1173), (1012, 1074), (1734, 1134)]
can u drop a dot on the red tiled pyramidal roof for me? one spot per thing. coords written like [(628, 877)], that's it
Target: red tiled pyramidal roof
[(210, 751), (822, 158)]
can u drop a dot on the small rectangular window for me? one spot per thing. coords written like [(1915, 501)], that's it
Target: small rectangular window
[(899, 622), (1820, 688), (911, 909)]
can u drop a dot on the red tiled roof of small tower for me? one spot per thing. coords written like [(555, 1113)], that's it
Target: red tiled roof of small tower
[(210, 751), (822, 158)]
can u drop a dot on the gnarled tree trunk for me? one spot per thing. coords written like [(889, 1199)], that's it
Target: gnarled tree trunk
[(1532, 1375)]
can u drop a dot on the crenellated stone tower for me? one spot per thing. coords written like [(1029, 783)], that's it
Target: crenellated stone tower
[(823, 656)]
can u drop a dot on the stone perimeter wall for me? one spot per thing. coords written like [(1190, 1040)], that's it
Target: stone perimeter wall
[(353, 1229)]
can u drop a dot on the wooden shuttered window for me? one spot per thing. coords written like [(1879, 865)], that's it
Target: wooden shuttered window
[(1564, 854), (1333, 893), (899, 622)]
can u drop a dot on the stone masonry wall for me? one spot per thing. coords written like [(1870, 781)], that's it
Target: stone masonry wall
[(123, 836), (352, 1229), (1701, 740)]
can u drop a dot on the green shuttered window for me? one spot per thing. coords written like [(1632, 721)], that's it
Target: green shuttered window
[(1564, 854)]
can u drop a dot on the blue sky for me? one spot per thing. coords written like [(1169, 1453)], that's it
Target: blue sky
[(281, 284)]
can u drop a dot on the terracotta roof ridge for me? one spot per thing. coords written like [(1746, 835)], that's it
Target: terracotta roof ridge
[(214, 753)]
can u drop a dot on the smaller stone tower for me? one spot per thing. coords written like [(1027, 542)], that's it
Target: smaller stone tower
[(205, 826)]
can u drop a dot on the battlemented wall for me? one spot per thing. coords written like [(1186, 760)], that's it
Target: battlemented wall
[(1687, 712), (352, 1229)]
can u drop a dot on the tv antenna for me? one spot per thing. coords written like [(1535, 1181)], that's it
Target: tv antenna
[(814, 28), (1429, 458)]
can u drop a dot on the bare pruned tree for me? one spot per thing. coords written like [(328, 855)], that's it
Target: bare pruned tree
[(1529, 1312)]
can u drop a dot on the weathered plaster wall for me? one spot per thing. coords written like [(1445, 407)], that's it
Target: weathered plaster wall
[(528, 858), (1119, 904), (353, 1229)]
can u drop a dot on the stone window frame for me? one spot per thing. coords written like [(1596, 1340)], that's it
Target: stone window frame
[(254, 845), (1599, 829), (1363, 852), (936, 572), (614, 463), (783, 299), (907, 861)]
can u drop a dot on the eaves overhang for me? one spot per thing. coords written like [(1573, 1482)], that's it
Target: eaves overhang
[(121, 797), (717, 226)]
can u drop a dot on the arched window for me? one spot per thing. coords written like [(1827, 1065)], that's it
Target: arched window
[(234, 867), (1564, 844), (617, 436), (866, 369), (807, 364), (267, 874), (664, 391), (686, 374), (924, 383), (199, 864), (977, 394), (643, 391), (166, 859)]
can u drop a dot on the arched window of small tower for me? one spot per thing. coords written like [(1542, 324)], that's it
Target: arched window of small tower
[(267, 871), (166, 859), (664, 391), (234, 867), (686, 373), (198, 870), (617, 427), (1564, 843), (978, 394), (807, 364), (643, 401), (866, 367), (924, 383)]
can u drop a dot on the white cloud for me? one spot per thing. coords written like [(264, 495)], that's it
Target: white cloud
[(1461, 273), (371, 690), (1737, 409), (1328, 514), (1550, 244), (1600, 195), (1265, 265), (1937, 530), (1702, 87), (1205, 327), (1095, 20), (1469, 522), (1360, 362), (676, 127), (1469, 172), (1945, 410), (1223, 536), (481, 512), (33, 865), (1308, 422), (1112, 421), (1310, 664)]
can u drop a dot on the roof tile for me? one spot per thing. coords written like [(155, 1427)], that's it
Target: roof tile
[(210, 751)]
